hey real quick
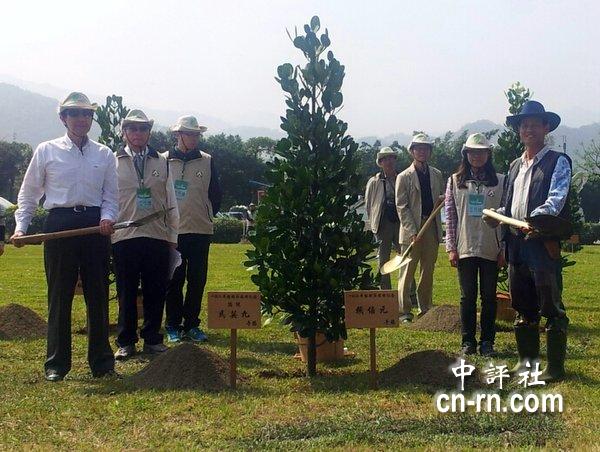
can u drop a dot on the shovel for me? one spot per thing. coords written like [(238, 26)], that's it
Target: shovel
[(542, 226), (399, 261), (36, 239)]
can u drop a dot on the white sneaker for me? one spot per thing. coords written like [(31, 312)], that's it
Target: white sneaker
[(125, 352)]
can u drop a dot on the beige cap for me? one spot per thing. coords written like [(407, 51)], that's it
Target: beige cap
[(76, 100), (188, 124), (136, 117), (384, 152), (477, 141), (420, 138)]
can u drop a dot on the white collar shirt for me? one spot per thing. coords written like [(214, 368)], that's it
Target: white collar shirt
[(518, 208), (68, 177)]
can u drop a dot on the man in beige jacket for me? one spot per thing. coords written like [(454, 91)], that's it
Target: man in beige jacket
[(418, 190), (145, 186)]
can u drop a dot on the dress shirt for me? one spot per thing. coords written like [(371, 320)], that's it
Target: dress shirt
[(69, 177), (557, 194)]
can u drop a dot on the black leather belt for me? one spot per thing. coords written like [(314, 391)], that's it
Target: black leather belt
[(76, 209)]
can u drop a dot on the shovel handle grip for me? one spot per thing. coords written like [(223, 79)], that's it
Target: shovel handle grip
[(36, 239), (504, 219)]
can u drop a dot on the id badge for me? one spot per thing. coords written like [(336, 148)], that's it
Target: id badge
[(144, 199), (476, 204), (181, 188)]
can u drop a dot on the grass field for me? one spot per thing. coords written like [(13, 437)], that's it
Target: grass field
[(335, 410)]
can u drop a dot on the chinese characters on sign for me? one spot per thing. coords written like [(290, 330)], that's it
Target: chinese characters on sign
[(371, 308), (234, 310)]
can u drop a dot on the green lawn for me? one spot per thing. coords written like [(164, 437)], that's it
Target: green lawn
[(335, 410)]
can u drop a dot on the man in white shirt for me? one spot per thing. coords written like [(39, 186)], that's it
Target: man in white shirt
[(79, 180)]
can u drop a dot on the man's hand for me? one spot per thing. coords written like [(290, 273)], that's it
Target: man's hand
[(15, 235), (106, 227), (501, 260), (453, 258), (415, 239)]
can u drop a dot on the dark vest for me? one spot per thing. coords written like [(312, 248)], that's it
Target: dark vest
[(539, 186)]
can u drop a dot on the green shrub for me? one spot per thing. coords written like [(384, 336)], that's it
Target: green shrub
[(227, 230), (37, 222)]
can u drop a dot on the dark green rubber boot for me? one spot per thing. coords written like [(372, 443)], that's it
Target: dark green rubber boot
[(528, 345), (556, 341)]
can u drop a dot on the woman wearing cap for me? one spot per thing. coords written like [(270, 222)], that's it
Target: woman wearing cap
[(473, 248), (199, 198), (142, 253)]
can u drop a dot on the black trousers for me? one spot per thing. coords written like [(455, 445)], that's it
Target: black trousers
[(64, 259), (194, 267), (469, 269), (147, 260)]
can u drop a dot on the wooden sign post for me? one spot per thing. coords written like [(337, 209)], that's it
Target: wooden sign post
[(372, 309), (233, 311)]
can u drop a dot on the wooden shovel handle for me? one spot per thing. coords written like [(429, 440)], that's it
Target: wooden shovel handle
[(36, 239), (504, 219), (430, 219)]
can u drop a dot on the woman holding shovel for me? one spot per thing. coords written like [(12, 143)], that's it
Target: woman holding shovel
[(473, 248)]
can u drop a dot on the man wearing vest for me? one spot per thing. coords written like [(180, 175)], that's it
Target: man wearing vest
[(198, 197), (538, 183), (142, 253), (418, 189), (78, 179)]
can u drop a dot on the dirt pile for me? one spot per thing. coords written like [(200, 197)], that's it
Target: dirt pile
[(427, 367), (184, 367), (443, 318), (20, 322)]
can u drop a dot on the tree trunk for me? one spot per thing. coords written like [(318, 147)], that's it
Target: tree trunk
[(311, 356)]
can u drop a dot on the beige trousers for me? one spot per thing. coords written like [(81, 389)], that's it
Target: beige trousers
[(425, 254)]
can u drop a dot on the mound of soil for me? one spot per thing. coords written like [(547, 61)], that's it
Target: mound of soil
[(184, 367), (20, 322), (443, 318), (427, 367)]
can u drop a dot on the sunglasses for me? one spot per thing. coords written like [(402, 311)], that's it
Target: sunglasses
[(138, 128), (76, 113)]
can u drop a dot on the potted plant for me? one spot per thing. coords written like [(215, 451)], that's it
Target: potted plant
[(309, 243)]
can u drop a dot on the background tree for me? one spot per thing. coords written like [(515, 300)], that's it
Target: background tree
[(109, 117), (309, 246), (261, 147), (162, 141), (509, 145), (14, 158), (590, 160)]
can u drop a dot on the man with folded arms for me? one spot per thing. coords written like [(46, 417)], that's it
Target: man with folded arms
[(198, 197), (142, 253), (78, 178)]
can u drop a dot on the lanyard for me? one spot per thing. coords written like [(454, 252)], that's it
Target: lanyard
[(140, 171)]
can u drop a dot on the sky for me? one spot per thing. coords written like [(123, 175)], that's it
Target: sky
[(410, 65)]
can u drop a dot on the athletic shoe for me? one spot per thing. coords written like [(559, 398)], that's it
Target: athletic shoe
[(155, 349), (173, 334), (125, 352), (195, 335)]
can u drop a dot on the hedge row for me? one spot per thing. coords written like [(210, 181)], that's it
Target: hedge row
[(227, 230)]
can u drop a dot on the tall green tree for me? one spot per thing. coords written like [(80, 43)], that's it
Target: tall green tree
[(309, 245), (14, 158), (109, 117), (509, 145)]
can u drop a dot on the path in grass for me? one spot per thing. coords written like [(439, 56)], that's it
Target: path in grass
[(285, 411)]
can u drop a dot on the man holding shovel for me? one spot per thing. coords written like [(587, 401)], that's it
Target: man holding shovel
[(538, 185), (419, 190), (79, 180)]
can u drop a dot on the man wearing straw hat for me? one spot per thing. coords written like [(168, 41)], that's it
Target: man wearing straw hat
[(145, 186), (538, 184), (380, 200), (78, 178), (199, 198), (418, 190)]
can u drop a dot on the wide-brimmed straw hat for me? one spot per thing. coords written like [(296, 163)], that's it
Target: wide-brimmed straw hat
[(532, 108), (76, 100), (384, 152), (420, 138), (136, 117), (188, 124)]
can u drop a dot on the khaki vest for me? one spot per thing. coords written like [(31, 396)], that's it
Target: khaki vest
[(195, 209), (157, 179), (474, 237)]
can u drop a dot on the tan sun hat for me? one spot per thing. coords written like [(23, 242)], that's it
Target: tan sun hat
[(188, 124), (136, 117), (477, 141), (420, 138), (76, 100), (384, 152)]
